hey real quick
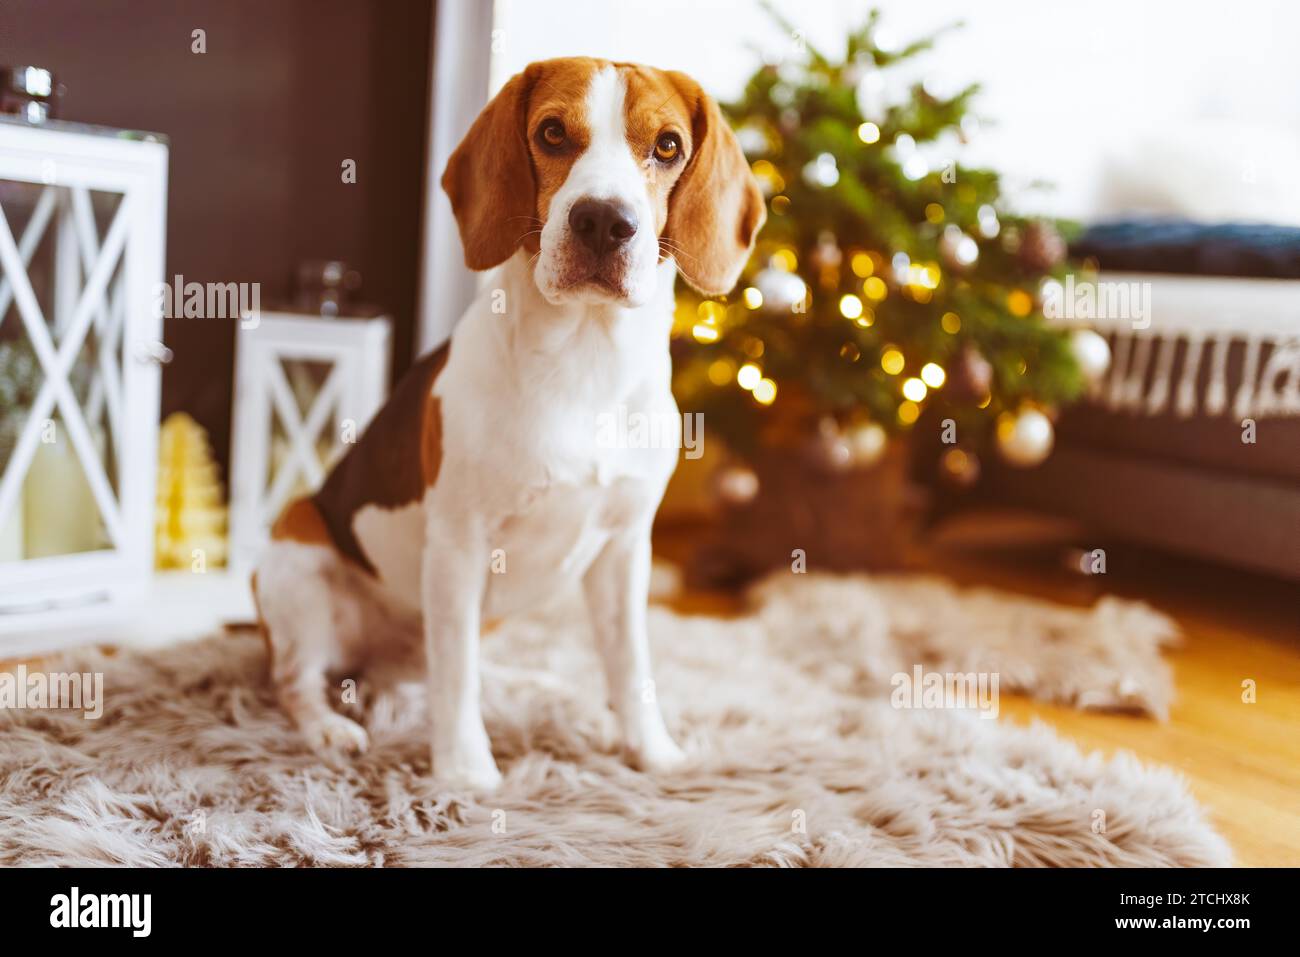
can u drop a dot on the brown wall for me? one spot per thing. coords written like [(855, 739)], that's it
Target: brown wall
[(259, 125)]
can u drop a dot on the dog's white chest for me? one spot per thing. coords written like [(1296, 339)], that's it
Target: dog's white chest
[(549, 544), (549, 535), (556, 434)]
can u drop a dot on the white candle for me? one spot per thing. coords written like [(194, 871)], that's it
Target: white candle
[(60, 516)]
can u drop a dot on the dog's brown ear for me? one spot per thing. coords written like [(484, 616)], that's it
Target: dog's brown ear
[(716, 208), (489, 178)]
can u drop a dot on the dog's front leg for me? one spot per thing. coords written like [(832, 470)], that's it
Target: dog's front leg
[(617, 588), (453, 578)]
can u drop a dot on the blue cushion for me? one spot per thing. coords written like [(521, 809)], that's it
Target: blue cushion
[(1179, 246)]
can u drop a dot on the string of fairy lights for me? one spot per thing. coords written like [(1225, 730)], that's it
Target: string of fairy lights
[(705, 321)]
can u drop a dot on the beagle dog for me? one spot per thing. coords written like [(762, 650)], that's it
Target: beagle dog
[(481, 488)]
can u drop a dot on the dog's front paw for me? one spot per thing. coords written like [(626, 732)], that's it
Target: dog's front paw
[(656, 754), (465, 773), (335, 733)]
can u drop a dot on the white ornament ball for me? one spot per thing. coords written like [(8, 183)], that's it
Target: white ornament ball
[(736, 484), (1091, 352), (958, 250), (872, 96), (834, 454), (1025, 438), (781, 290), (866, 443), (753, 140), (822, 172), (827, 254), (831, 449), (989, 225)]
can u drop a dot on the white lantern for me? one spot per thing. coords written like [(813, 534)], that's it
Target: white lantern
[(305, 389), (82, 226)]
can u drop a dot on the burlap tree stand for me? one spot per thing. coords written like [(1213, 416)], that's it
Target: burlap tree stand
[(855, 519)]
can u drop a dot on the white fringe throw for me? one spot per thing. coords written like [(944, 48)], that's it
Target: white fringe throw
[(1207, 316), (1141, 355)]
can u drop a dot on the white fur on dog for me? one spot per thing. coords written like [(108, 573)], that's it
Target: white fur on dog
[(797, 757)]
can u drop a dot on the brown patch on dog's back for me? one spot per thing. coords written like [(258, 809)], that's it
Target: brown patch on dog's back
[(431, 441), (301, 522), (396, 459)]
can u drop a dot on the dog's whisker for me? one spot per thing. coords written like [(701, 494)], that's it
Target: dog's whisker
[(677, 253)]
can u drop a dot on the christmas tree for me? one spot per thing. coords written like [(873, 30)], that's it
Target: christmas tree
[(889, 283)]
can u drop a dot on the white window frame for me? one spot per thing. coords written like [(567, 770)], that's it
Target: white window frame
[(459, 76)]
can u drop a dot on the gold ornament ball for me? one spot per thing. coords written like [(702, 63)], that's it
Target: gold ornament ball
[(1025, 438), (1041, 247), (1091, 352), (970, 376), (960, 467)]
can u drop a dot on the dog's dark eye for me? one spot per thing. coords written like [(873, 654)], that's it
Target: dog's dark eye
[(552, 133), (668, 147)]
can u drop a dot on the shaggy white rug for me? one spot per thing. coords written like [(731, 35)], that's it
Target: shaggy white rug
[(798, 756)]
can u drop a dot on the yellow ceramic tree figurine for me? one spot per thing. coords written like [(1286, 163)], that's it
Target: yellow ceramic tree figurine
[(191, 516)]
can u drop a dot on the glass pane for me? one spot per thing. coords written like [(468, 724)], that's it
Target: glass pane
[(48, 504), (306, 378)]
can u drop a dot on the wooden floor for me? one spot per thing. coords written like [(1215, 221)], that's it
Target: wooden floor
[(1241, 760)]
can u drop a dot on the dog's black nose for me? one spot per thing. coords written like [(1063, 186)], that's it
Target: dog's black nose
[(602, 225)]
